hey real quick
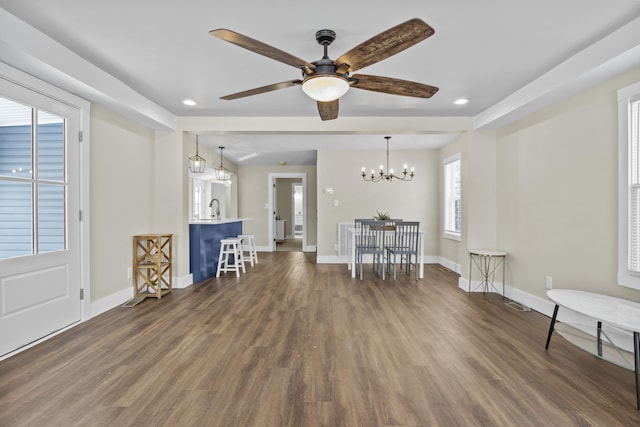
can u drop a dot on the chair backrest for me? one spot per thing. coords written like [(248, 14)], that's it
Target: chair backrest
[(358, 221), (362, 228), (372, 234), (406, 235)]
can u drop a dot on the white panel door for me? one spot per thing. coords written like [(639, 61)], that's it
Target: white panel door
[(40, 266)]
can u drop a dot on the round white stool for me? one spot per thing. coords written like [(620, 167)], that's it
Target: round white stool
[(248, 245), (230, 258)]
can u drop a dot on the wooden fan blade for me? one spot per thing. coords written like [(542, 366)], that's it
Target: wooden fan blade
[(262, 89), (393, 86), (386, 44), (328, 110), (261, 48)]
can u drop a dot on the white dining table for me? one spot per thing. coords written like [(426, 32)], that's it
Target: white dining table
[(353, 232)]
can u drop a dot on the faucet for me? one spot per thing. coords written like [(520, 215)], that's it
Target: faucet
[(217, 214)]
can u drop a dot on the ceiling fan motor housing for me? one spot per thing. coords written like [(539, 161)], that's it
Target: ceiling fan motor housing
[(325, 37), (326, 66)]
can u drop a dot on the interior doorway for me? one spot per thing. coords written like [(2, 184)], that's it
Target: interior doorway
[(287, 212)]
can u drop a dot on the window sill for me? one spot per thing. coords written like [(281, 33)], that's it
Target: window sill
[(452, 236)]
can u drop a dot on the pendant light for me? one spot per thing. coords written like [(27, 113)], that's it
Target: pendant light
[(222, 174), (197, 163)]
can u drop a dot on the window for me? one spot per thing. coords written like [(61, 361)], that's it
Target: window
[(452, 200), (32, 181), (198, 197), (629, 186)]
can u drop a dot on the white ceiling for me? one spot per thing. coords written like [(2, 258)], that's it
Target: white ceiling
[(486, 51)]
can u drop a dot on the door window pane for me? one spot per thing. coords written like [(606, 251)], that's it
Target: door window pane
[(51, 223), (15, 219), (50, 147), (15, 139)]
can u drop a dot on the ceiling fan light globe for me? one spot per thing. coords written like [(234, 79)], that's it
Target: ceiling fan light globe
[(325, 88)]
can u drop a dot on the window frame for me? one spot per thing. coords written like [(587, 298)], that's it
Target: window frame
[(626, 96), (446, 219)]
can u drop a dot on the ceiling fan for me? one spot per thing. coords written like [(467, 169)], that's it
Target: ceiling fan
[(326, 80)]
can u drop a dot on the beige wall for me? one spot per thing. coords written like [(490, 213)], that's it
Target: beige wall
[(171, 207), (414, 200), (253, 195), (557, 194), (545, 190), (121, 197)]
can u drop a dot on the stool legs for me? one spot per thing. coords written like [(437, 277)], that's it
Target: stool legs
[(231, 257), (248, 246), (239, 257)]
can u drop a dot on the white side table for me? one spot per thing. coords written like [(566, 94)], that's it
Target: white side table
[(617, 312), (487, 261)]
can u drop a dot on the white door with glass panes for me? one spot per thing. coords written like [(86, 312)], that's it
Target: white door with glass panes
[(39, 216)]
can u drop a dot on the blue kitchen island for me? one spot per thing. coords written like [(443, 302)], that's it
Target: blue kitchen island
[(204, 244)]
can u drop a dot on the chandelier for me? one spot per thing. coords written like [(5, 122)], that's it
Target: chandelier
[(389, 175), (222, 174)]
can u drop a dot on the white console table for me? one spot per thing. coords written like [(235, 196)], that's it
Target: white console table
[(616, 312)]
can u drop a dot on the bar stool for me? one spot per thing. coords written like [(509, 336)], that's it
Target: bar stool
[(248, 244), (231, 258)]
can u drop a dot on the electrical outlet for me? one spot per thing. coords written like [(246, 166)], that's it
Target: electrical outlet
[(548, 281), (336, 203), (129, 273), (335, 247)]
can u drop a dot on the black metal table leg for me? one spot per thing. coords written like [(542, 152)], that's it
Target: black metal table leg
[(636, 352), (599, 338), (553, 322)]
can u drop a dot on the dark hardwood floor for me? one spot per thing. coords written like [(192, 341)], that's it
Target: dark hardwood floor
[(292, 343)]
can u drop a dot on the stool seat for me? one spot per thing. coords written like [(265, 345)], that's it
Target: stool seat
[(248, 247), (231, 257)]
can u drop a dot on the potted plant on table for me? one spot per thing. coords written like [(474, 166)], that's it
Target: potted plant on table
[(382, 216)]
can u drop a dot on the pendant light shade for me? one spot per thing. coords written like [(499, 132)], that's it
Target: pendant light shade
[(197, 163), (222, 174)]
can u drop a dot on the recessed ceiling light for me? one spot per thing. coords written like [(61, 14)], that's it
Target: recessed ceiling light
[(461, 101), (190, 102)]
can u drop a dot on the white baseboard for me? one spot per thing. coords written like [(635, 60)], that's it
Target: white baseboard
[(109, 302), (330, 259), (448, 264), (183, 282)]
